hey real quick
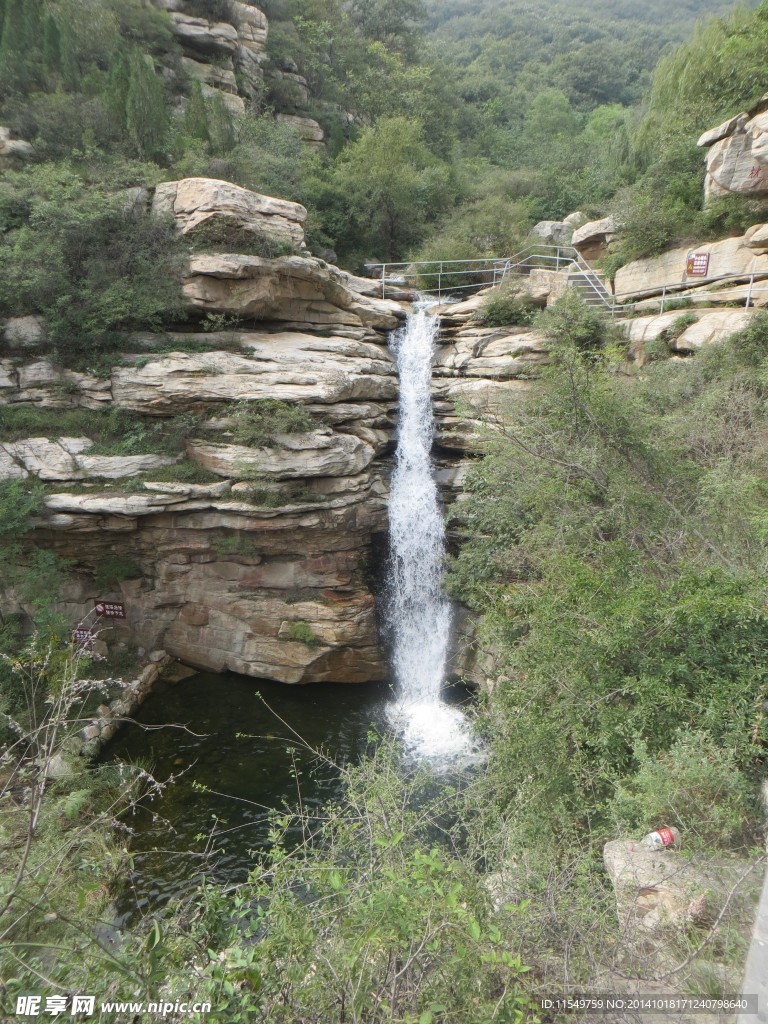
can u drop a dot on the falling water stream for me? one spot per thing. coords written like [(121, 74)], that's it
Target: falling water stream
[(240, 747), (418, 613)]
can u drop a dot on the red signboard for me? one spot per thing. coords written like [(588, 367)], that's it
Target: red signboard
[(110, 609), (698, 264), (82, 638)]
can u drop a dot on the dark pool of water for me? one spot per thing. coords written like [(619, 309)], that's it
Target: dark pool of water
[(234, 747)]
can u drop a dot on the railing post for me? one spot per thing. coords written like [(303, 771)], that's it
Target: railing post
[(663, 297), (749, 293), (557, 264), (383, 285), (440, 282)]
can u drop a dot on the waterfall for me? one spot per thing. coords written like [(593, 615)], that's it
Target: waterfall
[(418, 613)]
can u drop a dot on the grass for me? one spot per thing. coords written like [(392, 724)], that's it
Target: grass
[(114, 432)]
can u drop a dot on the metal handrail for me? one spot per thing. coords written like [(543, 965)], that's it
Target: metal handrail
[(564, 257)]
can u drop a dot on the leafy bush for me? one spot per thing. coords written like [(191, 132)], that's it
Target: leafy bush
[(570, 321), (20, 502), (396, 921), (615, 539), (507, 305), (303, 633), (234, 544), (751, 342), (228, 235), (257, 424), (696, 785), (93, 264), (114, 569)]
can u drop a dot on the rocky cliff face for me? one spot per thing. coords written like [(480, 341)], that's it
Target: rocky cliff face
[(226, 52), (251, 554)]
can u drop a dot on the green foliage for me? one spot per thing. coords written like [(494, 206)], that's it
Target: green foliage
[(398, 925), (570, 321), (89, 260), (695, 785), (392, 185), (613, 547), (302, 632), (113, 569), (146, 109), (257, 424), (506, 305), (226, 235), (184, 472), (234, 544), (20, 502)]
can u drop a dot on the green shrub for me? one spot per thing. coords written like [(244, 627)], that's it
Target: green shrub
[(185, 472), (90, 265), (21, 501), (507, 305), (570, 321), (656, 349), (751, 342), (302, 632), (114, 569), (257, 424), (228, 235), (234, 544), (696, 785)]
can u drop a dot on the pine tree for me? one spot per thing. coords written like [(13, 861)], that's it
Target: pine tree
[(196, 115), (13, 41), (221, 129), (14, 63), (118, 84), (33, 24), (51, 44), (146, 108)]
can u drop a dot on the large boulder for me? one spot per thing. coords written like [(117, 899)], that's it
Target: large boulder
[(292, 289), (12, 150), (194, 202), (66, 459), (24, 332), (294, 457), (309, 131), (491, 352), (214, 39), (662, 889), (737, 157), (552, 232), (706, 327), (592, 239)]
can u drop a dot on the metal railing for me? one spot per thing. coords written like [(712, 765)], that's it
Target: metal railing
[(450, 277), (441, 278)]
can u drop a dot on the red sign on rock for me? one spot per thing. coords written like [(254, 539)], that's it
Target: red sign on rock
[(698, 264), (110, 609), (82, 638)]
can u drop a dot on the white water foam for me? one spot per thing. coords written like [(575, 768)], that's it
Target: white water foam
[(419, 615)]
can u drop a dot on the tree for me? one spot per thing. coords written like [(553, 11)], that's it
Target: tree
[(146, 108), (392, 185), (396, 23)]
